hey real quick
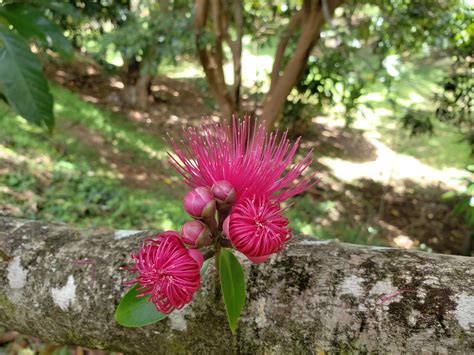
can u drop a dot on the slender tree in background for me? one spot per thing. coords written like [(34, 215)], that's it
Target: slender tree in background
[(215, 20)]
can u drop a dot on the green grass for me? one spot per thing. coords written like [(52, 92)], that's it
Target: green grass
[(115, 128), (414, 89), (62, 178)]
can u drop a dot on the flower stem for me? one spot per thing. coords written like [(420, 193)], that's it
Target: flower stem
[(212, 224), (225, 243), (222, 215)]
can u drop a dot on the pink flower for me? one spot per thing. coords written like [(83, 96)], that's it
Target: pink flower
[(167, 272), (257, 228), (253, 162)]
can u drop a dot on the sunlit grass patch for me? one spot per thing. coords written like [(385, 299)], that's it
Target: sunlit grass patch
[(38, 180), (413, 90), (115, 128)]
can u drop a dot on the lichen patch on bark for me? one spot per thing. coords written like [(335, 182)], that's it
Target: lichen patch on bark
[(16, 274), (315, 242), (119, 234), (353, 285), (65, 296), (465, 310), (178, 320)]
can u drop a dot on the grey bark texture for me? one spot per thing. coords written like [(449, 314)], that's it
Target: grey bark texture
[(63, 285)]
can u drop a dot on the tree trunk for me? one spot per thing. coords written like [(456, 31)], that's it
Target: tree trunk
[(211, 56), (138, 86), (63, 284), (142, 88), (310, 18)]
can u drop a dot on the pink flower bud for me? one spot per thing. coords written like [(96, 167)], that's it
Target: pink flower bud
[(200, 203), (223, 192), (196, 234), (196, 255), (257, 228)]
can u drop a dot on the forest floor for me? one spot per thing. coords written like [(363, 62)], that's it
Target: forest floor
[(107, 164)]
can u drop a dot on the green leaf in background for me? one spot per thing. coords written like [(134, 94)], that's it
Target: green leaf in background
[(232, 285), (204, 267), (24, 24), (134, 311), (30, 22), (22, 80)]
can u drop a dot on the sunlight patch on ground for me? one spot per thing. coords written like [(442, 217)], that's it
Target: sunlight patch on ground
[(255, 68), (390, 166)]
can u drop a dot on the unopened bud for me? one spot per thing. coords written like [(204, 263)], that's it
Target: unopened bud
[(196, 234), (200, 203), (223, 192)]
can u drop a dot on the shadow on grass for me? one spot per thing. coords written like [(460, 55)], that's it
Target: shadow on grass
[(338, 142)]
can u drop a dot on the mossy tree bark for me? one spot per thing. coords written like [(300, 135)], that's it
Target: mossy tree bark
[(63, 284)]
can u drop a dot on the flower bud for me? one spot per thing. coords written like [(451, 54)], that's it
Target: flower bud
[(196, 255), (196, 234), (223, 192), (200, 203)]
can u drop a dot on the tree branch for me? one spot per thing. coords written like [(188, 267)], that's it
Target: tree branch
[(294, 23), (312, 21), (212, 61), (63, 285)]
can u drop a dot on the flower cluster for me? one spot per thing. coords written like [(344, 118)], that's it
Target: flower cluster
[(239, 175)]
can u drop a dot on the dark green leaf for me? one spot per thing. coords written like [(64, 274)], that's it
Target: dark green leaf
[(134, 311), (24, 24), (22, 80), (232, 285), (30, 22), (205, 266)]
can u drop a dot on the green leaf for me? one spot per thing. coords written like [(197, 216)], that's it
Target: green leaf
[(22, 80), (232, 285), (24, 24), (134, 311), (448, 195), (29, 23), (204, 267)]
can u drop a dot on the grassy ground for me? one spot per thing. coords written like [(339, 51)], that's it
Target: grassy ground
[(414, 89), (63, 179)]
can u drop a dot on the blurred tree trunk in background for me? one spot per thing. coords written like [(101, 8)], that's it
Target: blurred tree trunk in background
[(223, 15), (308, 21), (215, 19)]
